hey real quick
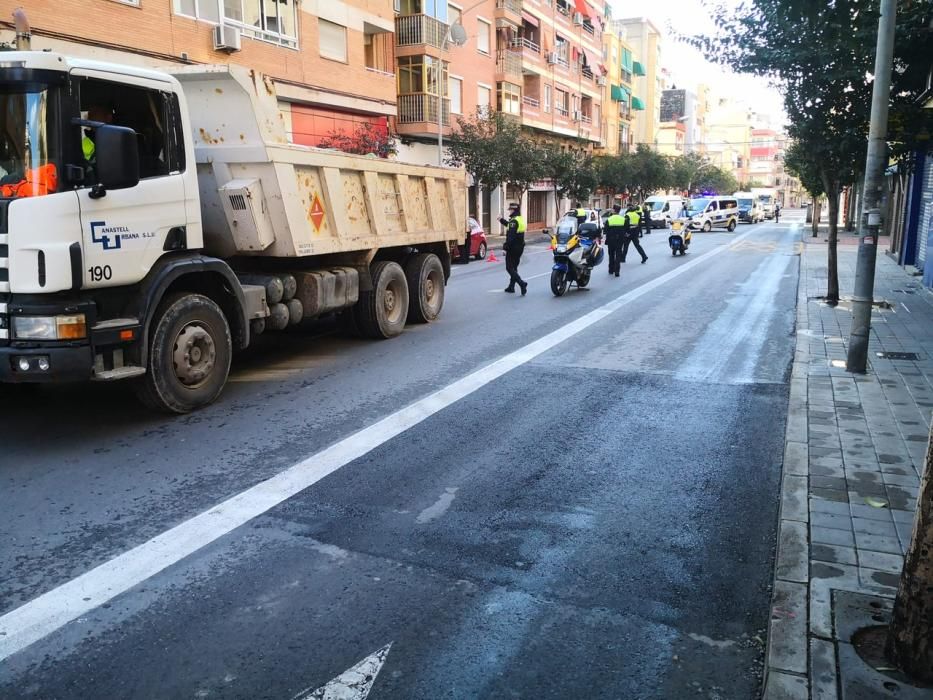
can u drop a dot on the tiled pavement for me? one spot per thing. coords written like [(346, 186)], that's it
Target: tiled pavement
[(854, 451)]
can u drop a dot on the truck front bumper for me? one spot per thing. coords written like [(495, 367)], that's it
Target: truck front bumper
[(73, 363)]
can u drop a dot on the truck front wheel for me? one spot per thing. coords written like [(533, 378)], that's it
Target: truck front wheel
[(425, 277), (382, 312), (189, 354)]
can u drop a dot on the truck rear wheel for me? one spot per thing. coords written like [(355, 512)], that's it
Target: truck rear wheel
[(382, 313), (189, 355), (425, 277)]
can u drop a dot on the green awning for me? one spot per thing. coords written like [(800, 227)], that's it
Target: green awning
[(638, 68), (626, 60), (617, 93), (637, 104)]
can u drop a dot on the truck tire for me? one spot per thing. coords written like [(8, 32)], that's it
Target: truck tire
[(382, 312), (425, 277), (189, 354)]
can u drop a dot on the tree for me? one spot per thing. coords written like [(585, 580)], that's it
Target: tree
[(693, 172), (651, 171), (524, 162), (366, 139), (805, 169), (614, 173), (573, 173), (821, 56), (482, 144)]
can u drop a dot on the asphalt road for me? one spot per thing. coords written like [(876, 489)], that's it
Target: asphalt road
[(592, 516)]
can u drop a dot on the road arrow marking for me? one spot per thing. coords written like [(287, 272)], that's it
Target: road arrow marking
[(353, 684)]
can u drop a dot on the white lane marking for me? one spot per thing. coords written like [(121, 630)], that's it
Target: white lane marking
[(52, 610), (438, 508), (353, 684)]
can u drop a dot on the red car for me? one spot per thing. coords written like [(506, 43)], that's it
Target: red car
[(478, 244)]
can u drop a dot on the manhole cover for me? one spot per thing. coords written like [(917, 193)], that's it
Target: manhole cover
[(898, 355)]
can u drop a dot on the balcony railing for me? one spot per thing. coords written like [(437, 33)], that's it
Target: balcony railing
[(420, 107), (562, 111), (525, 43), (509, 62), (412, 30), (587, 73), (531, 101), (510, 5), (586, 119)]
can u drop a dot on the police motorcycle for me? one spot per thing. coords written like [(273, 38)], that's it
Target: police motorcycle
[(576, 252), (680, 235)]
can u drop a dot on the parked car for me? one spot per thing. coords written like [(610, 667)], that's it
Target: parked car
[(478, 244), (664, 209)]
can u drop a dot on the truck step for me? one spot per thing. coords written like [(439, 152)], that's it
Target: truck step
[(110, 375)]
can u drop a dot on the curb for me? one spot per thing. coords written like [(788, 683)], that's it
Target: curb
[(786, 654)]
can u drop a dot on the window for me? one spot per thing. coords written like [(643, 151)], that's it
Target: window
[(547, 98), (483, 97), (332, 40), (483, 29), (377, 52), (267, 20), (456, 96), (560, 102), (454, 15), (153, 115), (208, 10), (432, 8), (419, 74), (509, 98)]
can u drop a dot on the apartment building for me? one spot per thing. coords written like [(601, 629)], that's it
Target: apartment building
[(618, 92), (563, 76), (330, 60), (678, 130), (645, 39), (729, 125)]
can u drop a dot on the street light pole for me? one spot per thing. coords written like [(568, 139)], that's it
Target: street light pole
[(870, 224)]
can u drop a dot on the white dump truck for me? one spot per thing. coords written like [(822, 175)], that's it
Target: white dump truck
[(151, 224)]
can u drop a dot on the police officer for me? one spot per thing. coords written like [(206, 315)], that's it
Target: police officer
[(580, 213), (632, 228), (514, 247), (615, 234), (646, 217)]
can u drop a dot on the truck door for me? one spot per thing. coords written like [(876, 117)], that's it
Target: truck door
[(125, 231)]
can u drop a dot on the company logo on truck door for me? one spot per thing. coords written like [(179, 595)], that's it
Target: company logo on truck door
[(112, 237)]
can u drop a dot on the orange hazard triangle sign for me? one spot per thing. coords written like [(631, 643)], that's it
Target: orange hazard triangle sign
[(316, 212)]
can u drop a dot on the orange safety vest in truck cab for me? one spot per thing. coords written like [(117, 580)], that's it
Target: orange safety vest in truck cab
[(37, 182)]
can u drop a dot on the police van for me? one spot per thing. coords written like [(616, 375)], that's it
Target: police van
[(706, 213)]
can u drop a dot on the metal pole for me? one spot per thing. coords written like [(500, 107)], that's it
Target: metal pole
[(440, 102), (870, 223)]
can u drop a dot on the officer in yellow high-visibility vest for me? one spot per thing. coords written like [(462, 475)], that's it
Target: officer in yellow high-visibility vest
[(580, 213), (514, 247), (615, 231), (95, 113), (632, 229)]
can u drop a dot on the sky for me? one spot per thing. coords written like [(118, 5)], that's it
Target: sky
[(687, 66)]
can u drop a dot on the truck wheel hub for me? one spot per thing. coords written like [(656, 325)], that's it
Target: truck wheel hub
[(194, 355)]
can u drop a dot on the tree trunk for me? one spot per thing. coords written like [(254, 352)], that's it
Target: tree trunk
[(910, 641), (832, 266), (817, 205)]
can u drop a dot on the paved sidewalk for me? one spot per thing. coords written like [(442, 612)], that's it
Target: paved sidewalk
[(854, 450)]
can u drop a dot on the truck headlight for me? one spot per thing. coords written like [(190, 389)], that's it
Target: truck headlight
[(73, 327)]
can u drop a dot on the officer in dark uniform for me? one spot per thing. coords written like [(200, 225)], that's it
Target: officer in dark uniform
[(646, 217), (514, 247), (632, 230), (615, 234)]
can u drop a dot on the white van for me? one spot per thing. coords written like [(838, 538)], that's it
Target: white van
[(750, 209), (707, 213), (664, 208)]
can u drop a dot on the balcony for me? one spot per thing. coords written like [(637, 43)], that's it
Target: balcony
[(415, 30), (510, 11), (508, 64), (421, 109)]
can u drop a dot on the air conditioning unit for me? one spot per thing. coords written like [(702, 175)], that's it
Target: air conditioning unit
[(578, 18), (577, 116), (552, 58), (601, 81), (226, 38)]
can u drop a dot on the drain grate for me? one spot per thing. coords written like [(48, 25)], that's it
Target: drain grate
[(898, 355)]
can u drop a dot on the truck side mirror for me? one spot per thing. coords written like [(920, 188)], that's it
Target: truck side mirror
[(115, 148)]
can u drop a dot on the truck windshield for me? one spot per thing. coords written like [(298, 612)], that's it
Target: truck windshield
[(657, 205), (27, 167), (745, 202)]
